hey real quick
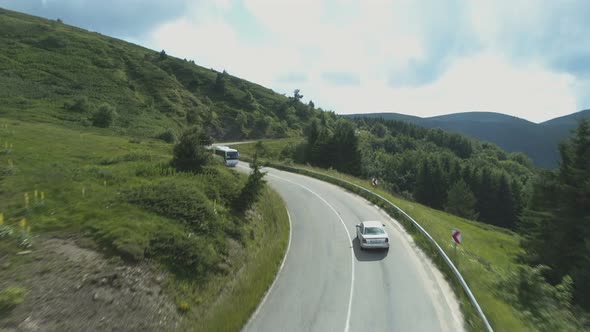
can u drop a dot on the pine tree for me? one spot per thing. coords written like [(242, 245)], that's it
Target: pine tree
[(251, 192), (556, 224), (485, 195), (504, 213), (422, 192), (461, 201)]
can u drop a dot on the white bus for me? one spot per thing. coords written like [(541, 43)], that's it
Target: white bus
[(230, 156)]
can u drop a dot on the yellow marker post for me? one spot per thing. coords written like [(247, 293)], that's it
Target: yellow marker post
[(1, 219)]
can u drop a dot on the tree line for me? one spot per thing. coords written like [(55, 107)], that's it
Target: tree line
[(440, 169), (479, 181), (556, 222)]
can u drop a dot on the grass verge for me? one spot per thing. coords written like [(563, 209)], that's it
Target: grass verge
[(242, 295)]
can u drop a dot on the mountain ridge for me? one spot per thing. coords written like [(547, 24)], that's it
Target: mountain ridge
[(539, 141)]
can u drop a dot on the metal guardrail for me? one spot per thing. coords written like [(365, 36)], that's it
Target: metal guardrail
[(441, 252)]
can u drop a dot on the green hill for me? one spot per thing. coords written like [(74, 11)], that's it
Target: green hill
[(538, 141), (95, 219), (52, 72)]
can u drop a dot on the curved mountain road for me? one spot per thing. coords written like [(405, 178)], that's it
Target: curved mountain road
[(328, 284)]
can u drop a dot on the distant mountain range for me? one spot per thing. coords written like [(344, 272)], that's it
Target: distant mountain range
[(538, 141)]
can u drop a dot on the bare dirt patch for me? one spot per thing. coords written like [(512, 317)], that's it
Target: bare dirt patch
[(70, 288)]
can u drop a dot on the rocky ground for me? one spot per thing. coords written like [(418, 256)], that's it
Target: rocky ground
[(71, 288)]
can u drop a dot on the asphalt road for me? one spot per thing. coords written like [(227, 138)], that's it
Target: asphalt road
[(328, 284)]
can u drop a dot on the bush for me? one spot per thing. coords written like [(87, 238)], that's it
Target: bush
[(185, 254), (10, 297), (182, 202), (79, 105), (104, 117), (182, 305), (190, 154), (547, 306), (168, 136)]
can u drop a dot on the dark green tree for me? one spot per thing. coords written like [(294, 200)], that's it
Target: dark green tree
[(379, 130), (556, 224), (505, 208), (221, 82), (163, 55), (251, 192), (422, 191), (347, 157), (313, 132), (296, 95), (189, 154), (461, 201), (485, 195)]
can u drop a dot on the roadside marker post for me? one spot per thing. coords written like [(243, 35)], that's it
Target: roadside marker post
[(456, 238)]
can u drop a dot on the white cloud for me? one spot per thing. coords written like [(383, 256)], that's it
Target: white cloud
[(215, 44), (481, 83), (373, 39)]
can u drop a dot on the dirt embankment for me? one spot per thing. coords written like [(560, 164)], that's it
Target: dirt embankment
[(70, 288)]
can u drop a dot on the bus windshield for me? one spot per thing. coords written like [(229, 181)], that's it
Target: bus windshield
[(231, 155)]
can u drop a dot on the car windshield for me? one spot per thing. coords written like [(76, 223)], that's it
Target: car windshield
[(374, 230), (232, 155)]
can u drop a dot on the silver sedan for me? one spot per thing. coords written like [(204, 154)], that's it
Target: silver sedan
[(372, 235)]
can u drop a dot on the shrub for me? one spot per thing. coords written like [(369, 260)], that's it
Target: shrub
[(168, 136), (80, 105), (252, 190), (185, 253), (182, 306), (163, 55), (190, 154), (104, 117), (10, 297), (548, 306), (177, 201), (52, 42)]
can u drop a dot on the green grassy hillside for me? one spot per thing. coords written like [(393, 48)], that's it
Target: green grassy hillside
[(119, 196), (53, 72)]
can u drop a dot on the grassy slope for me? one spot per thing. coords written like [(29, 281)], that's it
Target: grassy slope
[(46, 64), (83, 177), (271, 148), (234, 307), (487, 253)]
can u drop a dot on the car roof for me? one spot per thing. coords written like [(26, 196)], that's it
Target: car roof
[(372, 223)]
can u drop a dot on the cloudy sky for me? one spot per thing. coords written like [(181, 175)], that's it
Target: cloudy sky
[(525, 58)]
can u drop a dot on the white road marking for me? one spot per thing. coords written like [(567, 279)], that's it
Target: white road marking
[(278, 273)]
